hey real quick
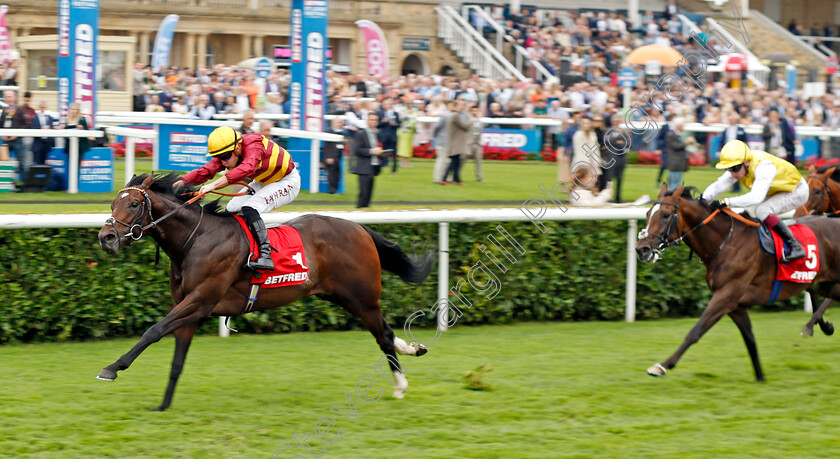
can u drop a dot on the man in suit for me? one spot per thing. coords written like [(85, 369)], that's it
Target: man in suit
[(733, 132), (789, 139), (41, 146), (13, 117), (366, 154), (331, 155), (389, 122)]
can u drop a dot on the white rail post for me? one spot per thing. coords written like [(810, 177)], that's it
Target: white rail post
[(129, 158), (808, 306), (315, 163), (443, 275), (223, 331), (73, 182), (630, 288)]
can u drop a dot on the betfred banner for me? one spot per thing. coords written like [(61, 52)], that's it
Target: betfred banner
[(527, 140), (308, 90), (96, 171), (182, 147), (163, 41), (376, 48), (78, 27), (5, 42)]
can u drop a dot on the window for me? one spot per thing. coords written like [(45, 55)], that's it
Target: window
[(42, 70), (110, 71)]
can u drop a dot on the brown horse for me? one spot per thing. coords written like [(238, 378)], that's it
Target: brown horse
[(207, 250), (824, 197), (738, 271)]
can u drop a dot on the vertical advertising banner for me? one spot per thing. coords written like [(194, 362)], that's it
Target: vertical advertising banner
[(5, 42), (163, 41), (78, 27), (308, 91), (376, 48)]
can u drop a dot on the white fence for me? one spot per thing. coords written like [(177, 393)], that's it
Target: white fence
[(440, 217)]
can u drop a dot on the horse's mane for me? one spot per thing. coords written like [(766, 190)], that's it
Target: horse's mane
[(693, 194), (835, 175), (162, 185)]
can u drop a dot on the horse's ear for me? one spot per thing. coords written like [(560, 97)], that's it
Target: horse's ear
[(812, 169), (828, 173), (662, 190), (148, 182), (678, 192)]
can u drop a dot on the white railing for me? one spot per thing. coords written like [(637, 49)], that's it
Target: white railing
[(786, 35), (73, 152), (521, 56), (756, 72), (472, 47), (440, 217)]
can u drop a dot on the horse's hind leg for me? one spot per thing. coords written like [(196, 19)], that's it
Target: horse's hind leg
[(742, 319), (372, 317), (404, 348), (183, 338), (817, 316)]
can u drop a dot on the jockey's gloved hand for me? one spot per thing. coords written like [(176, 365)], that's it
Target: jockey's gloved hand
[(717, 205)]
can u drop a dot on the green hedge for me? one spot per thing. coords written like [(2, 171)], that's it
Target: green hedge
[(56, 284)]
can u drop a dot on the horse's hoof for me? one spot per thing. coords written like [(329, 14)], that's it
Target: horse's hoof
[(107, 375), (420, 349), (657, 370), (160, 408), (807, 331), (827, 328)]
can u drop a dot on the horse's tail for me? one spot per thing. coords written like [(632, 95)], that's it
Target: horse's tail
[(393, 259)]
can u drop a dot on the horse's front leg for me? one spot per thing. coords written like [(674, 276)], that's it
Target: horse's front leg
[(723, 302), (190, 310)]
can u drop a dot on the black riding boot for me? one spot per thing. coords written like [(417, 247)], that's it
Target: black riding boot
[(796, 250), (255, 222)]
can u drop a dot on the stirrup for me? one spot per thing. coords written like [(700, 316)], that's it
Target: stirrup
[(256, 265)]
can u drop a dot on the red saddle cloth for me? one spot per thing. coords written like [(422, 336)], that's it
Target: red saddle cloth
[(290, 267), (804, 270)]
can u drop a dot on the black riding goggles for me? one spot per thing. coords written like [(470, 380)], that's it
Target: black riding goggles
[(735, 169), (225, 156)]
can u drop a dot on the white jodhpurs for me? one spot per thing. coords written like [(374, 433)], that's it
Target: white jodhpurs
[(268, 197), (780, 203)]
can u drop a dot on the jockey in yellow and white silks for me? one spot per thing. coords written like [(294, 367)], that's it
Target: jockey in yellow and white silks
[(775, 185)]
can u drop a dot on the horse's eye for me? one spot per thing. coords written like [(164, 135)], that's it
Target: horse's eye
[(666, 215), (135, 204), (817, 191)]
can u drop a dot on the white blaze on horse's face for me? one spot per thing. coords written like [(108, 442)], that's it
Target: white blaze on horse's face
[(124, 195), (644, 233)]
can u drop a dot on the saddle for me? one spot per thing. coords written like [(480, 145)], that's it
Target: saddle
[(287, 252), (801, 271)]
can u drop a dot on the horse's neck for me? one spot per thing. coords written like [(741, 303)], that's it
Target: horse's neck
[(182, 227), (707, 238), (833, 195)]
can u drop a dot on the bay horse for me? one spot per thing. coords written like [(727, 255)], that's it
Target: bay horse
[(207, 250), (738, 271), (823, 199), (824, 192)]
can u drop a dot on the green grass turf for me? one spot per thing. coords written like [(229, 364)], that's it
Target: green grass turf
[(559, 389), (506, 181)]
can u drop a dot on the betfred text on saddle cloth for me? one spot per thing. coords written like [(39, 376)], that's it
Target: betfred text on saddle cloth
[(290, 267)]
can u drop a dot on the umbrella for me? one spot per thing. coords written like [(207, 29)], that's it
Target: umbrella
[(778, 59), (663, 54)]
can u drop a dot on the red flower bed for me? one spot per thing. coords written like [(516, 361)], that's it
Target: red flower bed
[(697, 159), (504, 154), (424, 151), (649, 158), (140, 150), (549, 155), (820, 162)]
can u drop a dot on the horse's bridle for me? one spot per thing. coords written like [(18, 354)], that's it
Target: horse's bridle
[(665, 242), (827, 191), (135, 224), (146, 203)]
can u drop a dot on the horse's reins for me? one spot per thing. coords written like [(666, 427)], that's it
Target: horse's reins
[(665, 242), (147, 205)]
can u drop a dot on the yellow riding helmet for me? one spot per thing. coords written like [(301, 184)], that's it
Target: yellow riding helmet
[(733, 153), (221, 140)]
